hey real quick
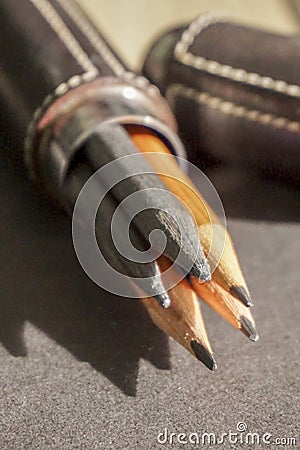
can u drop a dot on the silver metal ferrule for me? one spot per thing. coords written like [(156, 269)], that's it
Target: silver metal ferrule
[(72, 119)]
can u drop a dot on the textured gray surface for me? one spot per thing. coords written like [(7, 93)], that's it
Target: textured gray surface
[(83, 370)]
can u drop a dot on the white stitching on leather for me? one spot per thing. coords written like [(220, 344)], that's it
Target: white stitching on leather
[(232, 109), (91, 72), (194, 30), (57, 24), (75, 14), (183, 55), (101, 47)]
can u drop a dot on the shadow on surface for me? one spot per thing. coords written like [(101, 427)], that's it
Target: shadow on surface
[(43, 283)]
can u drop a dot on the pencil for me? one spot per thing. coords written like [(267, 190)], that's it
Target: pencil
[(183, 319), (223, 300), (228, 272), (146, 275)]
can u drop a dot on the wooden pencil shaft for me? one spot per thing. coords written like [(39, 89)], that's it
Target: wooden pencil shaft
[(183, 320), (233, 311)]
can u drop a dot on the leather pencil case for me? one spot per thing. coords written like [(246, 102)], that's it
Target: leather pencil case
[(59, 79), (235, 92)]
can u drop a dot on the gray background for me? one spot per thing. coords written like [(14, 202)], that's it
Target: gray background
[(83, 370)]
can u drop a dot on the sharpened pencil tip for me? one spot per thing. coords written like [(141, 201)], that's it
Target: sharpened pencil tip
[(241, 294), (249, 329), (202, 272), (163, 299), (203, 355)]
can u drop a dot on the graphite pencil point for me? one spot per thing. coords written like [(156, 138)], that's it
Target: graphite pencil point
[(203, 355), (163, 299), (202, 272), (241, 294), (248, 328)]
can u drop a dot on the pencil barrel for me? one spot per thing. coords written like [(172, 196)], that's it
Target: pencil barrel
[(235, 92)]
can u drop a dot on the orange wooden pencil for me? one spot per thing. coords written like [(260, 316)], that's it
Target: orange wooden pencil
[(238, 315), (228, 272), (183, 319)]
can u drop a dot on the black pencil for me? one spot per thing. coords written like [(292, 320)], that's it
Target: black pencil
[(147, 275), (158, 210)]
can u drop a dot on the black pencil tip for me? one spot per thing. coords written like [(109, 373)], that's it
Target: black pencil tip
[(163, 299), (203, 355), (241, 294), (248, 328)]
